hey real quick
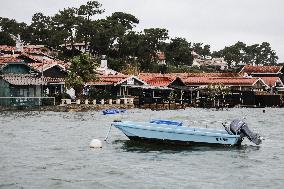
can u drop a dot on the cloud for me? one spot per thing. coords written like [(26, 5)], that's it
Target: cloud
[(218, 23)]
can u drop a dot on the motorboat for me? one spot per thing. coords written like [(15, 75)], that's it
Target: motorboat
[(113, 111), (171, 131)]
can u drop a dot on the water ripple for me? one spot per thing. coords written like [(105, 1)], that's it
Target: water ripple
[(50, 150)]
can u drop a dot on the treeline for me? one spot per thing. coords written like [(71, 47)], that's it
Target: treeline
[(125, 48), (248, 54)]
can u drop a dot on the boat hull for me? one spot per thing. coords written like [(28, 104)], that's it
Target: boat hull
[(176, 142), (175, 134)]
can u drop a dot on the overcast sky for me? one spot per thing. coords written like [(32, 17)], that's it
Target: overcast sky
[(216, 22)]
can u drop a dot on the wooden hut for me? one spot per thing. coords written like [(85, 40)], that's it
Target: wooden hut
[(237, 88)]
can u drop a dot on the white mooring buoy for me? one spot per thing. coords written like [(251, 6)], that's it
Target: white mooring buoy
[(96, 143)]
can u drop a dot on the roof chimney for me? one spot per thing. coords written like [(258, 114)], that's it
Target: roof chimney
[(103, 62)]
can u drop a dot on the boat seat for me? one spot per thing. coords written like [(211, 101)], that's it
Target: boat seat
[(166, 122)]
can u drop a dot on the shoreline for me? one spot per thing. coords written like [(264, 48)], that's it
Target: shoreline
[(68, 108), (85, 108)]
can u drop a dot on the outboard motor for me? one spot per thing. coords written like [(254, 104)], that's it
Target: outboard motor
[(239, 127)]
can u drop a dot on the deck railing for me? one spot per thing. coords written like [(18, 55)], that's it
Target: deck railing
[(27, 101)]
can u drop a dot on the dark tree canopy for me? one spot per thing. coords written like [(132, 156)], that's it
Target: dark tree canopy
[(40, 27), (90, 9), (178, 52), (81, 71), (5, 39), (202, 50), (125, 21), (15, 28), (86, 27), (240, 53)]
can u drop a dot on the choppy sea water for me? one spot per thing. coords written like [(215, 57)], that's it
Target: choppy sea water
[(51, 150)]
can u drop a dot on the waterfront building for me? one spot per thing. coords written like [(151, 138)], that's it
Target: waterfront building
[(273, 76), (262, 71), (32, 72), (26, 78), (118, 85), (17, 79)]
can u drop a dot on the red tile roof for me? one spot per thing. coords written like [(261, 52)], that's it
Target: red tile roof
[(4, 60), (261, 69), (22, 79), (48, 64), (107, 79), (185, 75), (153, 75), (156, 79), (214, 75), (39, 65), (7, 48), (233, 81), (43, 64), (34, 58), (271, 81), (37, 51), (34, 47), (161, 81), (150, 74)]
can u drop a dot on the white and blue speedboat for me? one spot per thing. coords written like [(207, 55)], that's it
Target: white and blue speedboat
[(174, 132)]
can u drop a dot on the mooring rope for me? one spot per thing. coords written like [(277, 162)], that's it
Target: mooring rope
[(108, 133)]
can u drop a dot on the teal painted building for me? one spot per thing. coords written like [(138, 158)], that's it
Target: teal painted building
[(18, 79)]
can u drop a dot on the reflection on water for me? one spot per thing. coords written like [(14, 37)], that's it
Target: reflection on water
[(143, 147), (138, 147), (51, 150)]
